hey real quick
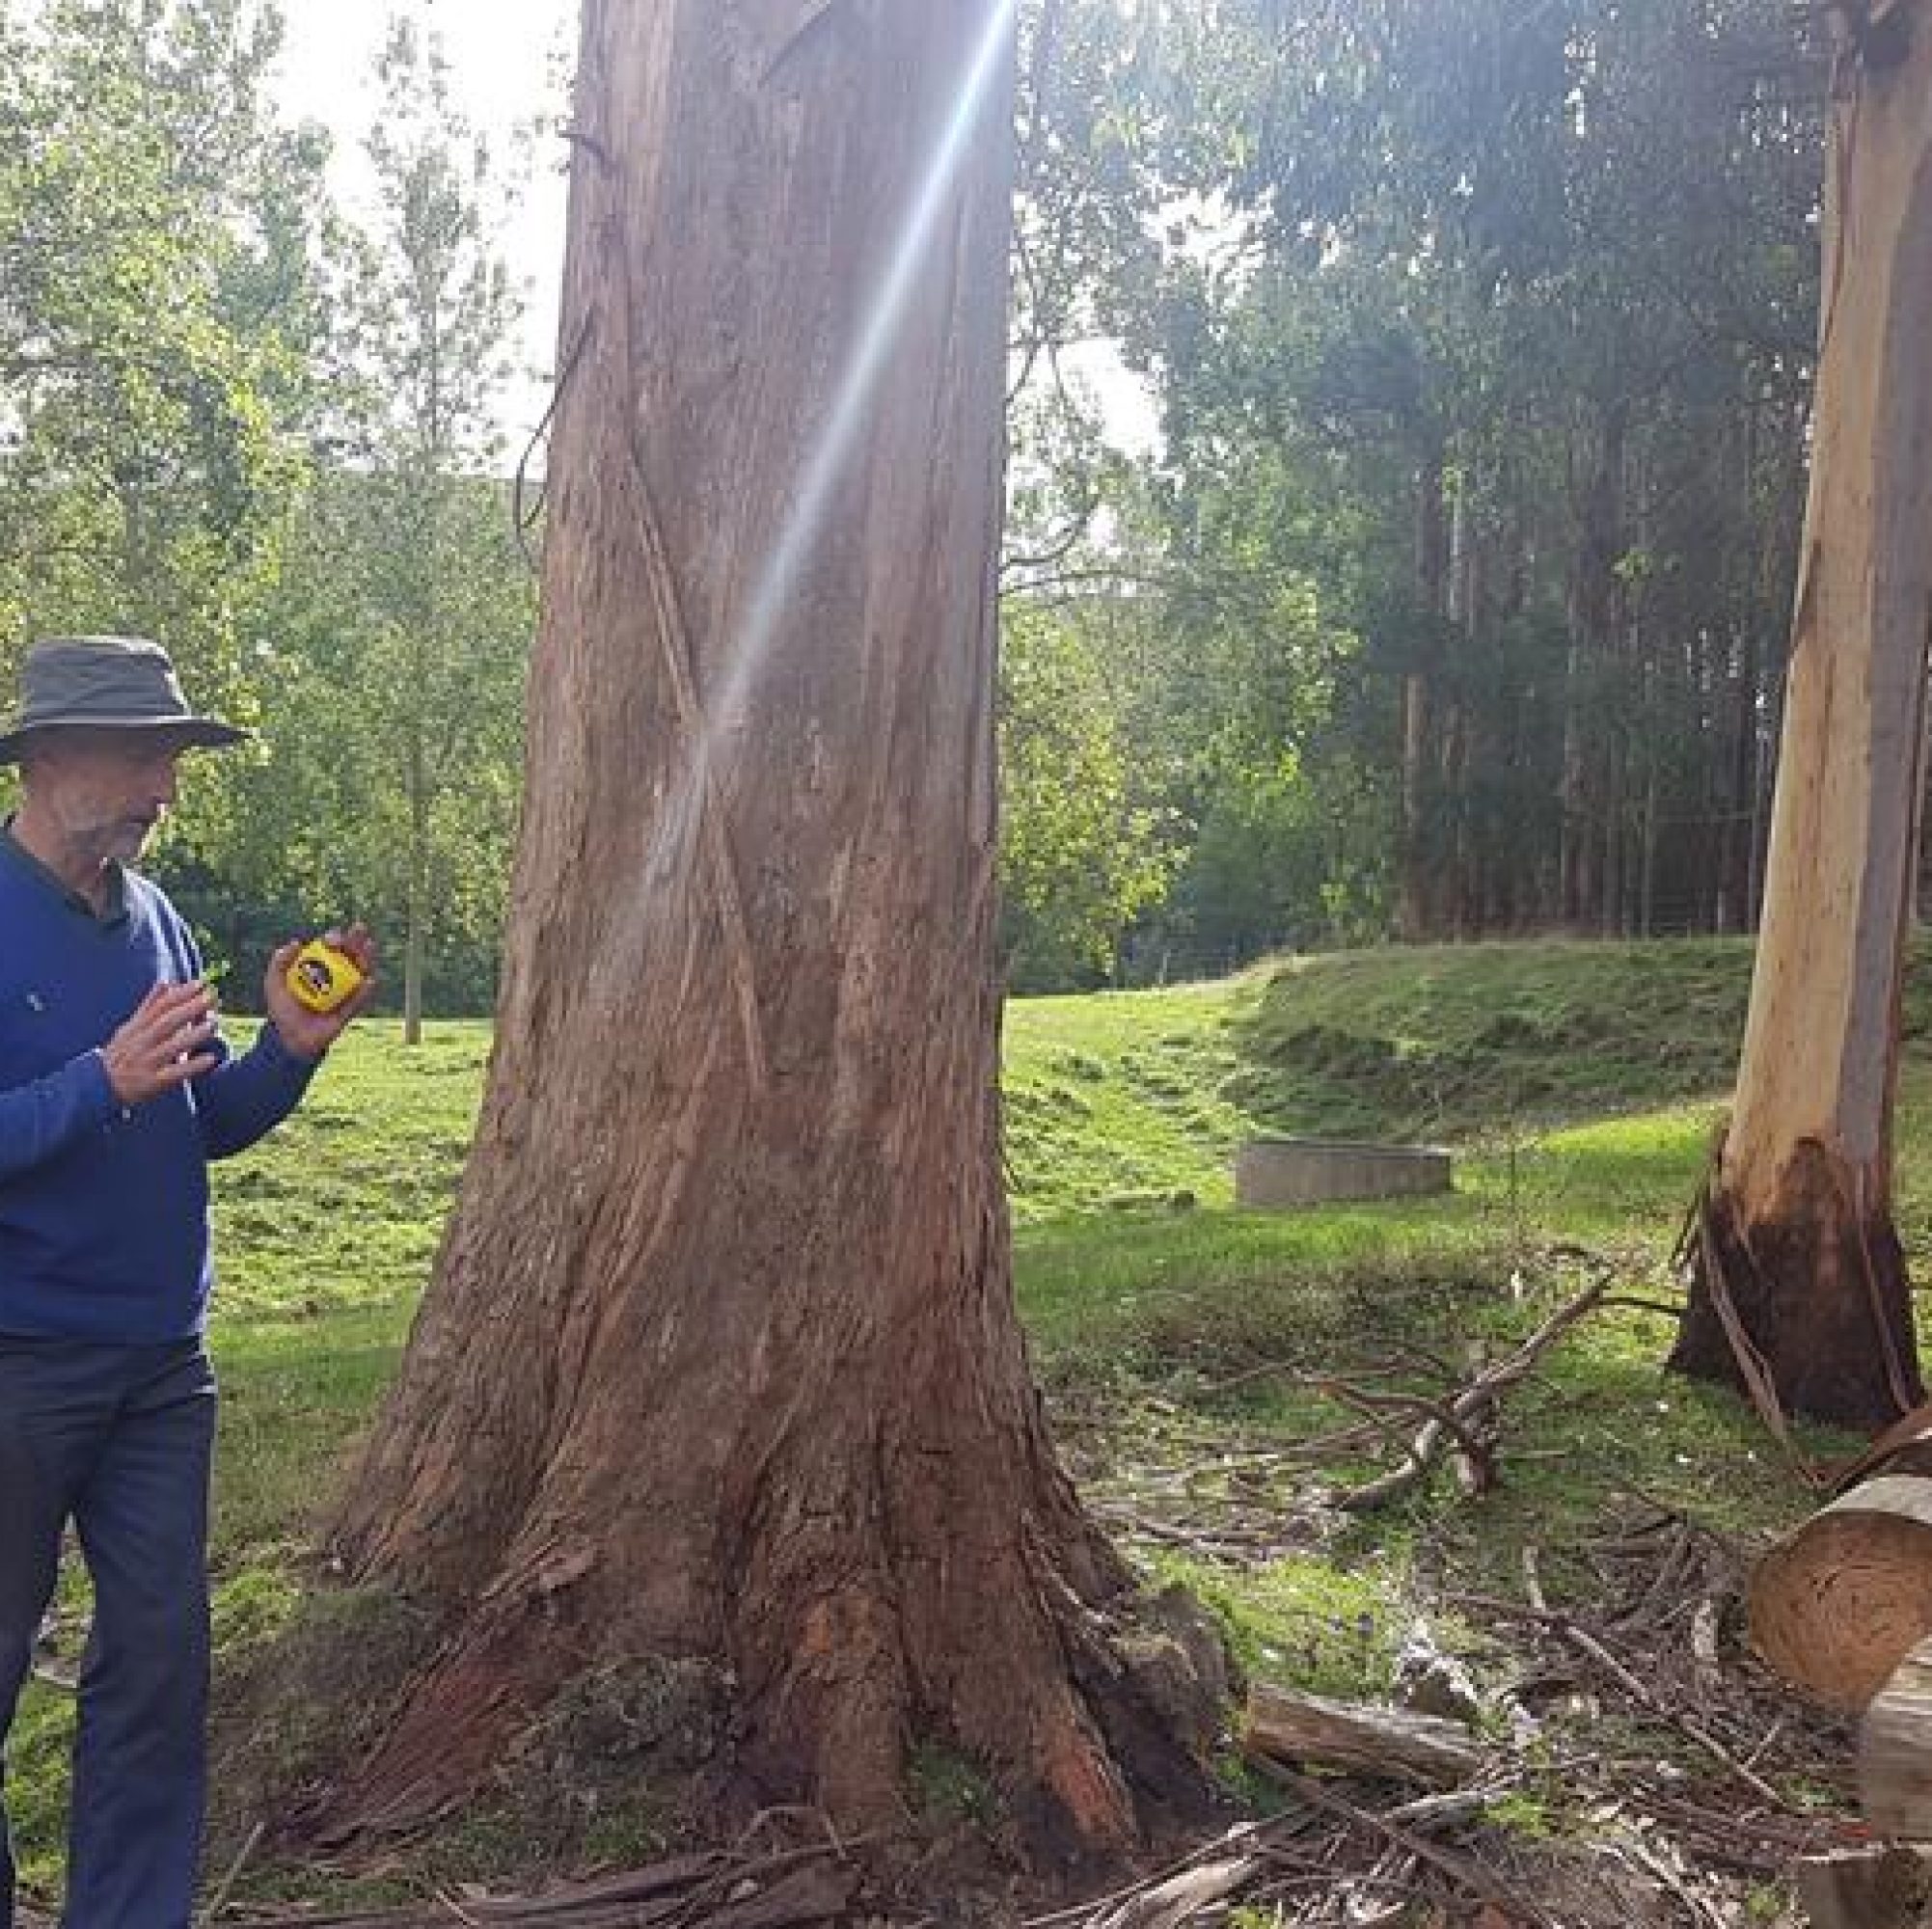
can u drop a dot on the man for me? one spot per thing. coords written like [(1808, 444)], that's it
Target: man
[(115, 1089)]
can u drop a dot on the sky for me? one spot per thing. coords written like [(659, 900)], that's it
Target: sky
[(498, 48), (505, 59), (502, 59)]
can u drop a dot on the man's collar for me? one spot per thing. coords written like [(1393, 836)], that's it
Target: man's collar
[(113, 912)]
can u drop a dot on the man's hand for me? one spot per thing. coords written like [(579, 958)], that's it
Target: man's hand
[(310, 1034), (162, 1045)]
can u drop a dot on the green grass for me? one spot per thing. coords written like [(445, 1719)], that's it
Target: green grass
[(1453, 1041), (1580, 1083), (1117, 1100)]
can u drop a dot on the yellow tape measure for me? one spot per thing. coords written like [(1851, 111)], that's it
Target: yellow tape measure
[(321, 977)]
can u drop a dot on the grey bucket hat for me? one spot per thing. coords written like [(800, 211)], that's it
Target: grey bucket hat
[(107, 683)]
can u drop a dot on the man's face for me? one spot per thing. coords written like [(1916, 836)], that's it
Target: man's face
[(104, 791)]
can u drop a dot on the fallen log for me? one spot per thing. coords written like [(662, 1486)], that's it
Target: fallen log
[(1393, 1744), (1837, 1604)]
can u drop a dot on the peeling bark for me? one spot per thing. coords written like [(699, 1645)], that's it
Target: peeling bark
[(1800, 1210), (1811, 1293), (721, 1361)]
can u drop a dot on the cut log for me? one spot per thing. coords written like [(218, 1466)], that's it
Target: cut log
[(1835, 1606), (1895, 1750), (1866, 1889), (1393, 1744)]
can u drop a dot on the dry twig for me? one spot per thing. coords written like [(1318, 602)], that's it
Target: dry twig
[(1465, 1872), (1459, 1415)]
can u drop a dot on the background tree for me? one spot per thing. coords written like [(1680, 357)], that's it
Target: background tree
[(1081, 849), (720, 1364), (1801, 1287), (325, 823), (156, 312), (1533, 439), (410, 551)]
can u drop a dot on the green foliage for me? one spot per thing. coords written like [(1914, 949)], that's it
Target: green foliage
[(400, 632), (1084, 193), (1524, 1814), (156, 311), (1278, 860), (1083, 852), (1491, 336), (390, 773)]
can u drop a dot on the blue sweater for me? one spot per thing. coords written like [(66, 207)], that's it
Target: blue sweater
[(104, 1209)]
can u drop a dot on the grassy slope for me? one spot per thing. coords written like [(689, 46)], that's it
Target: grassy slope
[(1450, 1041), (1116, 1101), (1144, 1292)]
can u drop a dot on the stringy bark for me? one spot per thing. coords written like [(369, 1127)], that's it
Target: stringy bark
[(721, 1361)]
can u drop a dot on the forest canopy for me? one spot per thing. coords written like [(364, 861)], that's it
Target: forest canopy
[(1448, 598)]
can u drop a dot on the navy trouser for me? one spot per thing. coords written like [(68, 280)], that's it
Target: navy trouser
[(118, 1440)]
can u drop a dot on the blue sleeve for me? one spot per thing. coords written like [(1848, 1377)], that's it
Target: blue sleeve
[(244, 1098), (48, 1115)]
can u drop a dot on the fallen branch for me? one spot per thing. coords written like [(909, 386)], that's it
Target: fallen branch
[(1461, 1418), (1179, 1899), (1567, 1628), (1284, 1726), (1245, 1839), (1469, 1436), (789, 1890), (1753, 1844), (1636, 1850)]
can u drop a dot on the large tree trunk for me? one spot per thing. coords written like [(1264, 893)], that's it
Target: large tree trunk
[(1798, 1238), (721, 1361)]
